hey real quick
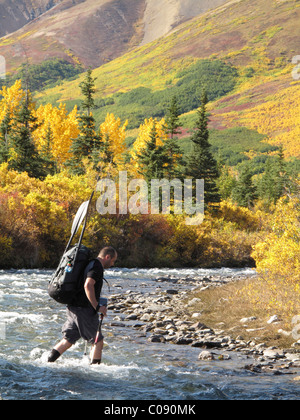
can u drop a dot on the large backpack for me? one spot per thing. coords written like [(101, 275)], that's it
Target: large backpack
[(68, 279)]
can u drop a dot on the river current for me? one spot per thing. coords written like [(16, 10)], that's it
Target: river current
[(132, 369)]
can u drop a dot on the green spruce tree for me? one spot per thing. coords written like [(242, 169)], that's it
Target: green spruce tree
[(244, 192), (201, 164), (174, 159), (172, 118), (5, 128), (155, 159), (283, 183), (171, 146), (274, 182), (226, 183), (157, 162), (25, 155), (46, 153), (88, 143)]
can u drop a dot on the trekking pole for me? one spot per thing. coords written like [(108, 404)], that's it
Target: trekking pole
[(102, 302), (96, 341), (99, 329), (97, 337)]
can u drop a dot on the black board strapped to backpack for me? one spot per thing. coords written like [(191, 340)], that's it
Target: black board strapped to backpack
[(66, 281)]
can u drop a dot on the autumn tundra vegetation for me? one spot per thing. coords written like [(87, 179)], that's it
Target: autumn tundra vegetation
[(49, 162)]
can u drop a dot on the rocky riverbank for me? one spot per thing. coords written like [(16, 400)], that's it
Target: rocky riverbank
[(161, 316)]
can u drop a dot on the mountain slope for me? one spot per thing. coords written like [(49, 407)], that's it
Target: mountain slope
[(259, 37), (91, 32), (14, 14), (162, 16)]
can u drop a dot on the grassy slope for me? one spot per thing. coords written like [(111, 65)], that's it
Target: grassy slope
[(259, 37)]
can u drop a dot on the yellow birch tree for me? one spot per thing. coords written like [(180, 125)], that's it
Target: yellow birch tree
[(63, 127), (144, 137), (113, 135)]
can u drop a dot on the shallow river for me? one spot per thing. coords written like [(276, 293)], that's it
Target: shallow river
[(132, 369)]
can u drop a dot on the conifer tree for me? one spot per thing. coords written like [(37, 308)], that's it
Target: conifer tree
[(174, 159), (244, 192), (154, 159), (25, 155), (274, 181), (88, 90), (201, 163), (106, 152), (226, 183), (172, 118), (172, 147), (5, 128), (87, 144), (49, 161), (282, 183)]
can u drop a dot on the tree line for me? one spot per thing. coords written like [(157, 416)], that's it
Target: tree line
[(158, 156)]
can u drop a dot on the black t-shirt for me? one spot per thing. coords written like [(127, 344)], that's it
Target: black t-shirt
[(95, 271)]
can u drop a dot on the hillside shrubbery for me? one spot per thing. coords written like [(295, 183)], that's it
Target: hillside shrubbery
[(36, 211), (40, 76), (36, 216), (216, 77)]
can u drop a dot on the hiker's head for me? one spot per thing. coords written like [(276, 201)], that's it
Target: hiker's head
[(108, 256)]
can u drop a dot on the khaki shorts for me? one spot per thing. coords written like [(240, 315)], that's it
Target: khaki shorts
[(81, 323)]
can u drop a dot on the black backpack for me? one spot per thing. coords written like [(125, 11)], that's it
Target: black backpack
[(68, 279)]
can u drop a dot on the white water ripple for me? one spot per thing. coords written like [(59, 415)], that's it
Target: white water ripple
[(132, 369)]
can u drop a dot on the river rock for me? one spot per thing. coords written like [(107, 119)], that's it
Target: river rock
[(147, 318), (194, 301), (273, 319), (160, 331), (166, 320), (118, 324), (119, 318), (172, 292), (293, 357), (285, 333), (273, 353), (156, 339), (224, 357), (183, 341), (206, 355), (208, 344), (158, 308), (131, 317), (247, 320), (201, 327)]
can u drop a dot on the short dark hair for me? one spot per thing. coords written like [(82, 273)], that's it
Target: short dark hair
[(108, 250)]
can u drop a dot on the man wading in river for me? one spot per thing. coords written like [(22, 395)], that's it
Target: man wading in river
[(83, 315)]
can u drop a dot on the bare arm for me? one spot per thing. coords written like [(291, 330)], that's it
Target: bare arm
[(89, 288)]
